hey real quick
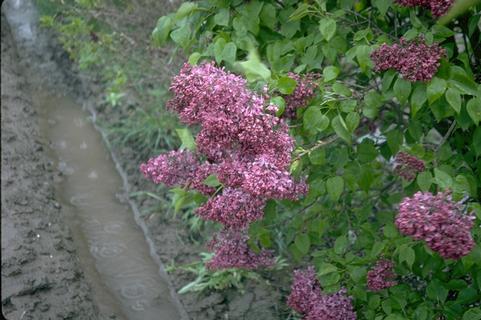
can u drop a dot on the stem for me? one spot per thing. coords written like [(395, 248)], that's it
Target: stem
[(318, 144), (446, 136)]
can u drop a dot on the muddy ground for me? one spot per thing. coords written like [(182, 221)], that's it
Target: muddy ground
[(41, 276), (29, 207)]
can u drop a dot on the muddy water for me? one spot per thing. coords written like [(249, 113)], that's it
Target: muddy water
[(113, 251)]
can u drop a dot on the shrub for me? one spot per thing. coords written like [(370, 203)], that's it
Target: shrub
[(349, 128)]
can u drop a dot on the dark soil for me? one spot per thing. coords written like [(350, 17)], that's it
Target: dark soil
[(41, 276)]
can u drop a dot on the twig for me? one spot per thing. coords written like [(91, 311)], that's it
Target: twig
[(446, 136), (318, 144)]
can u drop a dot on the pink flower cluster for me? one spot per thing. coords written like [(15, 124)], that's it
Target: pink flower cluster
[(437, 7), (232, 251), (302, 94), (248, 149), (307, 299), (381, 276), (415, 60), (408, 166), (437, 220)]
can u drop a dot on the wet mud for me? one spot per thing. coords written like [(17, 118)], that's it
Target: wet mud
[(41, 274), (90, 243)]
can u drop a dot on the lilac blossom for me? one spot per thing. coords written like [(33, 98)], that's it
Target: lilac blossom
[(307, 299), (232, 251), (381, 276), (437, 7), (304, 91), (247, 148), (415, 60), (234, 208), (337, 306), (175, 168), (305, 290), (438, 221), (408, 166)]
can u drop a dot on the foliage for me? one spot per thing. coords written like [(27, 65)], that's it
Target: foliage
[(350, 132), (108, 42), (216, 280)]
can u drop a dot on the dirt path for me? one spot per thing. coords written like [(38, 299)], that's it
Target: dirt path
[(41, 277)]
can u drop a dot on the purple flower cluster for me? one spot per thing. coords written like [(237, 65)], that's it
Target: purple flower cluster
[(307, 299), (232, 251), (408, 166), (233, 208), (337, 306), (381, 276), (415, 60), (179, 168), (248, 149), (437, 220), (437, 7), (302, 94)]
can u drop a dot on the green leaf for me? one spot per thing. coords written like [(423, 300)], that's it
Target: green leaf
[(318, 156), (222, 17), (376, 249), (254, 68), (327, 26), (418, 98), (443, 180), (402, 89), (341, 89), (363, 55), (406, 253), (460, 79), (212, 181), (373, 101), (394, 140), (358, 273), (218, 49), (366, 151), (382, 5), (474, 109), (286, 85), (454, 99), (374, 302), (326, 268), (268, 16), (341, 129), (424, 180), (472, 314), (335, 186), (229, 53), (436, 291), (280, 103), (301, 11), (162, 30), (477, 141), (436, 89), (387, 80), (181, 35), (185, 9), (352, 121), (314, 120), (340, 245), (390, 231), (303, 243), (186, 138), (330, 73), (194, 58)]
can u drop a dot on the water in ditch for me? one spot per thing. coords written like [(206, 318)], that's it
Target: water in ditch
[(112, 248)]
